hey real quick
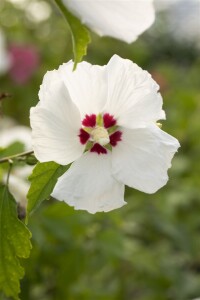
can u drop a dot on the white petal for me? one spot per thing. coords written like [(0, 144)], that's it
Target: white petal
[(142, 158), (133, 96), (50, 81), (56, 122), (54, 96), (89, 185), (87, 86), (121, 19)]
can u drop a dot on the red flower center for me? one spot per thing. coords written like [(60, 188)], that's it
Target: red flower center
[(99, 133)]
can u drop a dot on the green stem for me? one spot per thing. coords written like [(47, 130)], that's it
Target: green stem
[(8, 158)]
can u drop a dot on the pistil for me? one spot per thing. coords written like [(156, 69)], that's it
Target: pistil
[(100, 135)]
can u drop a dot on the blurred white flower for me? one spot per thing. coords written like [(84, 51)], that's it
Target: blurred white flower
[(38, 11), (6, 123), (110, 112), (18, 182), (121, 19), (16, 134), (182, 19), (4, 56)]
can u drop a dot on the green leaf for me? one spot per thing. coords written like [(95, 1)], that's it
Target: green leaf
[(14, 244), (80, 34), (43, 180)]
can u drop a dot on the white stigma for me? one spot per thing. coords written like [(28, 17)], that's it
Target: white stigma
[(100, 135)]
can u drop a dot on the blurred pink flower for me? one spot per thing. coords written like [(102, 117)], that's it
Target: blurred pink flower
[(24, 62)]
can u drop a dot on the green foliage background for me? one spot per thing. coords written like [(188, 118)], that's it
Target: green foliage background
[(149, 249)]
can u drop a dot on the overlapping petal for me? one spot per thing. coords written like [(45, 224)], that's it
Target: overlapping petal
[(143, 157), (89, 185), (87, 86), (54, 96), (133, 96), (121, 19), (56, 123)]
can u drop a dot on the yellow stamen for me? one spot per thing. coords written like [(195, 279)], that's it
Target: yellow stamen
[(100, 135)]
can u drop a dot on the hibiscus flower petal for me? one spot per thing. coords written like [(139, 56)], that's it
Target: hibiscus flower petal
[(142, 158), (56, 124), (133, 96), (54, 96), (87, 86), (51, 83), (89, 185), (121, 19)]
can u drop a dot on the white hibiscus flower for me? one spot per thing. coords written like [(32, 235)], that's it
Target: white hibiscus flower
[(103, 118), (121, 19)]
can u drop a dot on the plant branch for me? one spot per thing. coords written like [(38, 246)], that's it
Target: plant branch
[(8, 158), (4, 95)]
